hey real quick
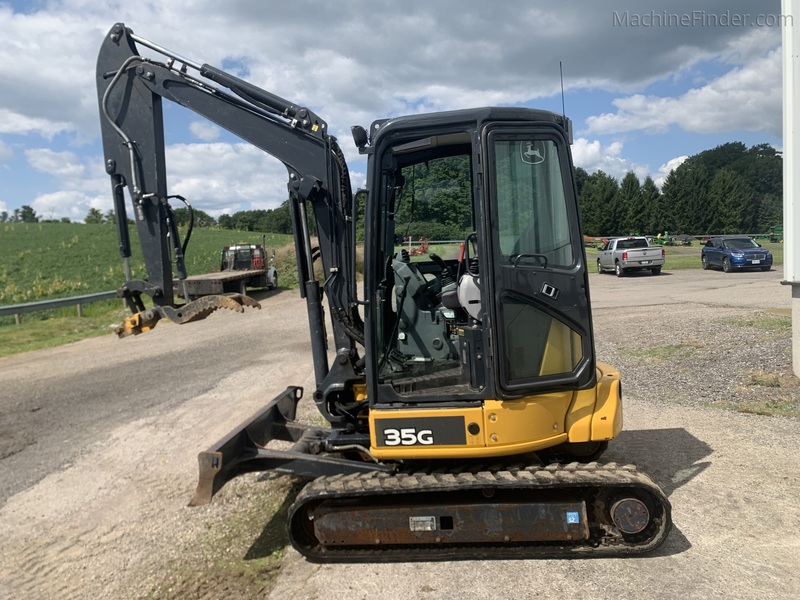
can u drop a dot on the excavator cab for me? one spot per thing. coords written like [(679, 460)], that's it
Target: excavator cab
[(496, 314), (503, 191)]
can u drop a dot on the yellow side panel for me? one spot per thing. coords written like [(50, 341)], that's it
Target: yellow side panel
[(503, 428), (607, 419), (596, 414), (532, 419), (579, 418), (475, 443)]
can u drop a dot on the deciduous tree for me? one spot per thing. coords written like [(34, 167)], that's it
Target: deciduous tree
[(93, 217), (27, 214)]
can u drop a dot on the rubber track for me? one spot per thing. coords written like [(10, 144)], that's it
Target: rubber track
[(608, 477)]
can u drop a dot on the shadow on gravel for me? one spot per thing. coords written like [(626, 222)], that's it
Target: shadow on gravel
[(646, 274), (266, 294), (671, 458), (274, 537)]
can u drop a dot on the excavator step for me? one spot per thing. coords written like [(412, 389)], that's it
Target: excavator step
[(555, 511)]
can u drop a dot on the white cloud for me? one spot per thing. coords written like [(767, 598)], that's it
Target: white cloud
[(5, 151), (745, 98), (376, 58), (73, 204), (47, 71), (62, 165), (593, 156), (203, 130), (18, 123), (81, 181), (215, 178), (219, 176), (664, 170)]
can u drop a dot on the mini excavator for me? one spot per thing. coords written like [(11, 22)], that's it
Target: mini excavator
[(466, 407)]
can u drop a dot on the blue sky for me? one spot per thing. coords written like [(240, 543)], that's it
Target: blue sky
[(646, 83)]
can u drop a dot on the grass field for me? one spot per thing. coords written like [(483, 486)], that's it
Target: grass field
[(42, 261)]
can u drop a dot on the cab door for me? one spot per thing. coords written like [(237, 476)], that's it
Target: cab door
[(542, 333)]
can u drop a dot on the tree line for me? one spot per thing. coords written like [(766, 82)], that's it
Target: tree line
[(727, 189), (26, 214)]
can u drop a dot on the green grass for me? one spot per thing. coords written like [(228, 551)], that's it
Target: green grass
[(762, 379), (46, 329), (41, 261), (775, 323), (44, 261), (786, 407), (662, 354)]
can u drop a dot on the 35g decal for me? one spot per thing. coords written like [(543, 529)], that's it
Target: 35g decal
[(407, 436)]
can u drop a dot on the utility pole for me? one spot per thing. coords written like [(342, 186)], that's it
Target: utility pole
[(791, 168)]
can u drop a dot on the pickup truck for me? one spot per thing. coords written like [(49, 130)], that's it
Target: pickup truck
[(626, 254)]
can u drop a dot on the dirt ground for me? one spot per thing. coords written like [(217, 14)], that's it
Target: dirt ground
[(98, 445)]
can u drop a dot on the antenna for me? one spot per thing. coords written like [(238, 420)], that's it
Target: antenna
[(567, 122)]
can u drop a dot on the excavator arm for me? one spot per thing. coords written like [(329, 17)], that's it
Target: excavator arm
[(131, 90)]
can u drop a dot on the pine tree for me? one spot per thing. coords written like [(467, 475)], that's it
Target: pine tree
[(685, 191), (598, 207), (650, 207), (27, 214), (731, 200), (664, 213), (629, 201), (770, 214)]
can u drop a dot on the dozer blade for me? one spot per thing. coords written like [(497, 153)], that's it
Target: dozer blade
[(196, 310), (245, 449), (556, 511)]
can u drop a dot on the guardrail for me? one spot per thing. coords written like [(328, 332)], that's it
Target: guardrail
[(18, 309)]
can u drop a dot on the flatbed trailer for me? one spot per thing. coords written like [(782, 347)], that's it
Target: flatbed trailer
[(221, 282), (241, 266)]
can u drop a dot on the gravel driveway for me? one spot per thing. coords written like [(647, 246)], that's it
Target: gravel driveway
[(98, 444)]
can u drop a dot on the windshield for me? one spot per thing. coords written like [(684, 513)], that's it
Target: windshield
[(739, 244), (635, 243)]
